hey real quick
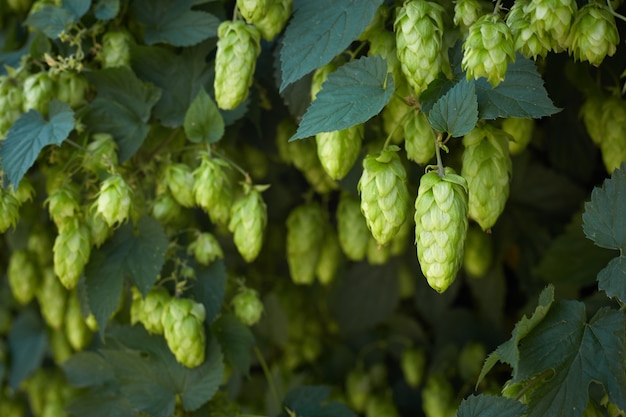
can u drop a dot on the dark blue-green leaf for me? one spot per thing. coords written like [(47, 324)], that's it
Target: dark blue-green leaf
[(612, 279), (27, 345), (456, 112), (29, 134), (203, 120), (85, 369), (236, 341), (521, 94), (319, 31), (311, 401), (490, 406), (50, 20), (107, 9), (122, 108), (210, 287), (174, 22), (351, 95), (77, 8), (101, 401)]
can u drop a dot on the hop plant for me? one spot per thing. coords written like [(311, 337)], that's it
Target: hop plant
[(352, 228), (274, 21), (247, 306), (71, 88), (253, 10), (23, 276), (383, 43), (413, 365), (72, 248), (466, 12), (613, 138), (101, 153), (52, 298), (526, 36), (384, 194), (593, 35), (180, 181), (166, 209), (114, 200), (39, 89), (520, 130), (248, 220), (551, 20), (438, 397), (338, 150), (115, 50), (440, 226), (305, 235), (238, 47), (478, 253), (419, 39), (377, 254), (11, 103), (205, 248), (591, 112), (63, 203), (151, 309), (331, 257), (488, 49), (183, 329), (76, 329), (487, 168), (394, 115), (9, 210), (358, 388), (99, 229), (212, 189), (419, 138)]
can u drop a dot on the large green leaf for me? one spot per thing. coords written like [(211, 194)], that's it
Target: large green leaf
[(51, 20), (203, 120), (351, 95), (180, 77), (77, 8), (29, 134), (27, 343), (174, 22), (236, 341), (136, 254), (456, 112), (101, 401), (122, 108), (490, 406), (579, 353), (210, 287), (311, 401), (106, 9), (319, 31), (86, 369)]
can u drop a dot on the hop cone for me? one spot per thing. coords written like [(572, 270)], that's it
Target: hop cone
[(384, 194), (394, 115), (521, 130), (63, 203), (101, 153), (253, 10), (212, 189), (303, 155), (441, 226), (339, 150), (438, 396), (591, 112), (71, 88), (99, 230), (383, 43), (413, 365), (330, 258), (419, 138), (11, 103), (352, 228), (9, 210), (466, 12), (114, 200), (152, 309), (76, 330), (166, 209), (488, 49), (487, 169), (180, 182), (526, 36), (320, 76), (478, 252), (237, 50), (205, 249), (39, 89), (52, 297), (593, 34), (72, 248), (248, 219), (274, 21), (247, 306), (613, 140), (183, 329), (305, 235), (551, 20), (23, 276), (419, 38), (115, 50)]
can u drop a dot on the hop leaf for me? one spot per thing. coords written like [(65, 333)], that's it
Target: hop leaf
[(247, 222), (305, 235), (183, 329), (441, 226), (384, 194), (212, 189), (593, 35), (352, 228)]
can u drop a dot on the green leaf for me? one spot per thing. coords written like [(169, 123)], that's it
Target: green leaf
[(311, 401), (351, 95), (490, 406), (180, 76), (203, 120), (122, 108), (236, 341), (580, 353), (612, 279), (174, 22), (101, 401), (456, 112), (138, 254), (50, 20), (77, 8), (86, 369), (319, 31), (29, 134), (508, 352), (521, 94), (107, 9), (27, 345), (210, 287)]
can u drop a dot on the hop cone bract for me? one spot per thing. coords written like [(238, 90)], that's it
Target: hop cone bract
[(152, 308), (183, 328), (205, 248), (593, 35), (440, 226), (247, 222), (114, 200), (253, 10), (274, 21), (305, 235)]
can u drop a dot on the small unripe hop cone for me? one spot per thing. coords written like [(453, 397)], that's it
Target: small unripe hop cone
[(183, 329), (248, 220)]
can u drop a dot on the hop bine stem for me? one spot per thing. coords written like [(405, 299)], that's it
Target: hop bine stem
[(438, 146)]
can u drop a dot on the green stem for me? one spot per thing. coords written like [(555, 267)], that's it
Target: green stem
[(438, 144), (496, 8), (548, 373), (236, 166), (400, 122), (613, 12), (268, 375)]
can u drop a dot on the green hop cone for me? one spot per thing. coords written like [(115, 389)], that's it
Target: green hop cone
[(305, 235), (413, 365), (72, 248), (115, 50), (180, 181), (466, 12), (331, 257), (25, 191), (52, 297), (114, 200), (101, 153), (247, 306), (205, 248), (438, 397), (212, 189), (419, 138), (338, 150), (488, 49), (183, 328), (470, 360), (166, 209), (478, 254), (383, 43), (238, 47), (9, 210), (23, 276), (384, 194), (64, 203), (320, 76), (551, 21), (393, 115), (352, 228), (136, 307), (591, 112), (39, 89), (358, 388), (76, 329), (419, 40), (253, 10), (613, 139), (526, 36), (71, 88), (381, 406), (521, 130), (11, 103), (440, 226), (593, 35), (99, 230), (376, 254), (152, 308), (487, 169), (274, 21), (248, 219)]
